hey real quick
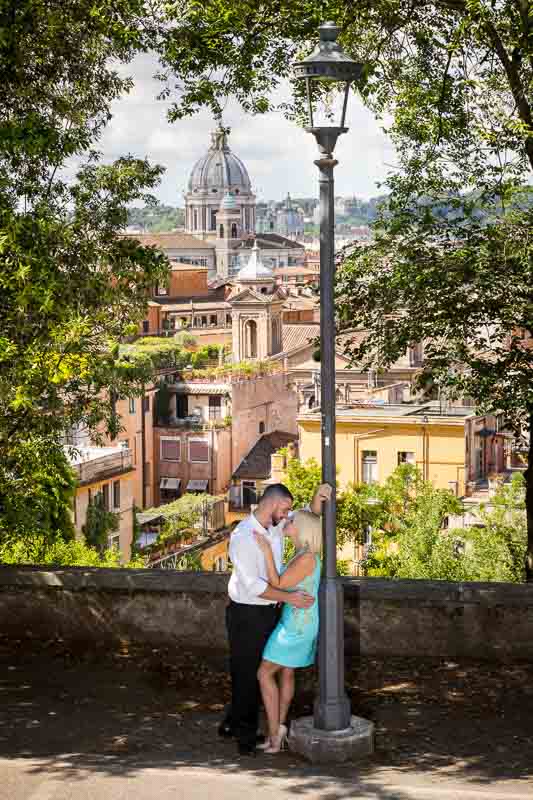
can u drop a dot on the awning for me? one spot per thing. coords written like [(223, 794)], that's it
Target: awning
[(197, 486), (173, 484)]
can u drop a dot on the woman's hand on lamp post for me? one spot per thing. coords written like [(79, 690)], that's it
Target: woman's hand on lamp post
[(322, 495)]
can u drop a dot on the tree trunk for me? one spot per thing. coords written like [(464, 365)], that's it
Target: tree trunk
[(529, 504)]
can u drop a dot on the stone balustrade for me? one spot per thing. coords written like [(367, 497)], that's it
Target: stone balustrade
[(158, 608)]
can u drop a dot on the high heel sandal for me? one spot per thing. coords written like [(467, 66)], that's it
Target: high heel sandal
[(277, 743)]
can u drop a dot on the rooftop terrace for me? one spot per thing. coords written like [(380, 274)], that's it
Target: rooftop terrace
[(380, 410)]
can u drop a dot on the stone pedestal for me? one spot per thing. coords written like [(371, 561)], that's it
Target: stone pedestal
[(333, 747)]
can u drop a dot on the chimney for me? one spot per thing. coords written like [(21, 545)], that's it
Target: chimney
[(292, 451), (277, 466)]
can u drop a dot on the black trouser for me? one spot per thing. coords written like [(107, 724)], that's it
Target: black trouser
[(248, 629)]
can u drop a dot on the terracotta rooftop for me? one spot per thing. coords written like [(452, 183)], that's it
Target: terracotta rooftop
[(256, 464), (301, 302), (172, 241), (299, 270), (269, 241), (295, 336), (178, 266)]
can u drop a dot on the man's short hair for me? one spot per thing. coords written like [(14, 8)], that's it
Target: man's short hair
[(276, 491)]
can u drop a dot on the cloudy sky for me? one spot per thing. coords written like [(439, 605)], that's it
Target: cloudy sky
[(278, 155)]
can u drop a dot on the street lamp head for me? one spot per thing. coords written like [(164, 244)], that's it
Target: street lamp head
[(327, 64)]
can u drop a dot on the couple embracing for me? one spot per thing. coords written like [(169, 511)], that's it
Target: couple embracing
[(265, 645)]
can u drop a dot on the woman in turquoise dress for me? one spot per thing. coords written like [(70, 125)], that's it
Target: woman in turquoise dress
[(292, 643)]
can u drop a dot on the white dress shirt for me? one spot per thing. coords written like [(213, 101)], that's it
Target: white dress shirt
[(249, 576)]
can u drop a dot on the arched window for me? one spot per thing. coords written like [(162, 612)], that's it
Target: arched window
[(276, 336), (221, 232), (233, 230), (250, 340)]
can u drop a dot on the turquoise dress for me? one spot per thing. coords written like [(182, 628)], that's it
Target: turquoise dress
[(292, 643)]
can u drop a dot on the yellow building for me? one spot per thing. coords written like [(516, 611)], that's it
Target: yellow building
[(109, 472), (373, 440)]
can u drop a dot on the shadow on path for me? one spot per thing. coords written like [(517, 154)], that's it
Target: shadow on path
[(74, 713)]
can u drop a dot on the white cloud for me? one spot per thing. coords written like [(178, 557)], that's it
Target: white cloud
[(278, 155)]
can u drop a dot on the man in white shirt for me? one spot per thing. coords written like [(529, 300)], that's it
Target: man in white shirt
[(252, 613)]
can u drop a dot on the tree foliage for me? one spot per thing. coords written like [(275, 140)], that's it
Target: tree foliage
[(426, 63), (182, 517), (301, 478), (157, 219), (99, 523), (70, 285), (37, 487), (410, 540), (405, 518)]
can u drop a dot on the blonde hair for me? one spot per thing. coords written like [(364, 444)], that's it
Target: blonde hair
[(309, 528)]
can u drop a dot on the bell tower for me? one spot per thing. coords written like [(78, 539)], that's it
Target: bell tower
[(229, 233), (256, 311)]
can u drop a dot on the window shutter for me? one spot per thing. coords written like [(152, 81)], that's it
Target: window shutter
[(170, 449), (198, 450)]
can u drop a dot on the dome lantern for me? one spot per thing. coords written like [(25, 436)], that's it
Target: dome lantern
[(255, 271)]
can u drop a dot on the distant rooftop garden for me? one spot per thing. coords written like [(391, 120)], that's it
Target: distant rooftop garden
[(233, 371), (193, 362), (180, 352)]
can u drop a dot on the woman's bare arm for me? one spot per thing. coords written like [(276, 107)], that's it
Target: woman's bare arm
[(300, 568)]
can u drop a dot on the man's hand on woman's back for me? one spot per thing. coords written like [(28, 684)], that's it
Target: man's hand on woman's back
[(300, 599)]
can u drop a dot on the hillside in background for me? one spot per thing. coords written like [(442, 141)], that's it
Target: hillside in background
[(156, 219)]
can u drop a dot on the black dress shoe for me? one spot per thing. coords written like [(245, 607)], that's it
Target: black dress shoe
[(226, 731), (246, 749)]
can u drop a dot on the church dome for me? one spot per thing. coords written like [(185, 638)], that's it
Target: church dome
[(219, 169), (255, 270)]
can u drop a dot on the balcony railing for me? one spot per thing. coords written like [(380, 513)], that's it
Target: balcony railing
[(195, 423), (104, 466)]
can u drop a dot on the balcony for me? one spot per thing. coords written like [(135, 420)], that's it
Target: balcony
[(195, 423), (93, 464)]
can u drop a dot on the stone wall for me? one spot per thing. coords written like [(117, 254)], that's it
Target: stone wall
[(158, 608), (269, 400), (438, 618), (147, 606)]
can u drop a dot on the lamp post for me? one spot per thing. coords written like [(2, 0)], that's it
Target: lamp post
[(328, 64)]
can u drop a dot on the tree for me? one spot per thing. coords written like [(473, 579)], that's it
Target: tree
[(37, 488), (71, 286), (496, 551), (301, 479), (411, 541), (436, 56), (99, 523)]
